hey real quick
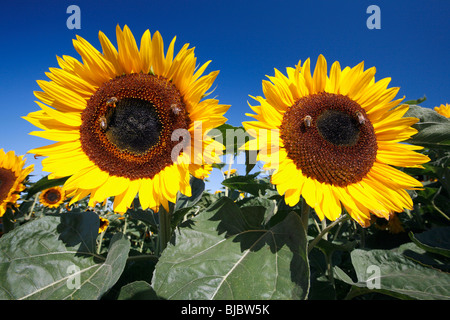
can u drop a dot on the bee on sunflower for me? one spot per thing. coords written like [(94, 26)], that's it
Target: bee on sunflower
[(341, 135), (114, 114)]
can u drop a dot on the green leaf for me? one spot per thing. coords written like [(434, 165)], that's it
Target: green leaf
[(425, 114), (218, 255), (415, 253), (434, 129), (79, 229), (247, 184), (391, 273), (146, 216), (267, 206), (417, 101), (197, 187), (138, 290), (436, 240), (53, 258)]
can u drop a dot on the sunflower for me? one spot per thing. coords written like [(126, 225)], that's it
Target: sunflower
[(52, 197), (104, 223), (443, 110), (231, 172), (337, 138), (12, 175), (128, 121)]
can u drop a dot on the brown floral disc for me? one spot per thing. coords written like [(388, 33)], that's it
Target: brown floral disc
[(7, 179), (52, 196), (329, 138), (128, 124)]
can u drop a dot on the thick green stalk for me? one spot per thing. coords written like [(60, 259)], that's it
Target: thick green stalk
[(165, 230), (305, 215)]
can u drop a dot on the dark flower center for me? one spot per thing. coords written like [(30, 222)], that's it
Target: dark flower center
[(338, 127), (52, 196), (329, 138), (133, 125), (128, 123), (7, 178)]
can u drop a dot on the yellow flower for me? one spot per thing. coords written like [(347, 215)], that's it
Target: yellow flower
[(334, 140), (104, 223), (52, 197), (12, 175), (115, 115), (232, 171), (443, 110)]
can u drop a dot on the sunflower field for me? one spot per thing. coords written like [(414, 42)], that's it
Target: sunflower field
[(345, 194)]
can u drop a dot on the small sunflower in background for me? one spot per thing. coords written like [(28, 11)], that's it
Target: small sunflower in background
[(52, 197), (340, 135), (114, 115), (231, 172), (12, 176), (443, 110), (104, 223)]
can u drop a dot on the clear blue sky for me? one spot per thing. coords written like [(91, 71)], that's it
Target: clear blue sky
[(244, 39)]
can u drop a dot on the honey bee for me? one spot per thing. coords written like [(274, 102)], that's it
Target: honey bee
[(307, 120), (361, 118), (175, 109), (111, 101), (103, 123)]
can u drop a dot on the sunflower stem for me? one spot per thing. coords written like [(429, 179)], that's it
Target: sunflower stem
[(326, 230), (165, 230), (125, 224), (100, 241), (30, 211), (324, 226), (230, 162), (330, 273), (305, 215)]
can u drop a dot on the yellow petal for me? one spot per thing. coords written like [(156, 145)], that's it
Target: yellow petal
[(57, 135), (113, 186), (72, 119), (145, 52), (320, 74), (88, 178), (330, 203), (335, 75), (123, 201), (110, 53), (146, 194), (68, 99), (158, 53), (128, 51)]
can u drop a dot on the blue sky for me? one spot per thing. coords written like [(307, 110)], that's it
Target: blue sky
[(245, 40)]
